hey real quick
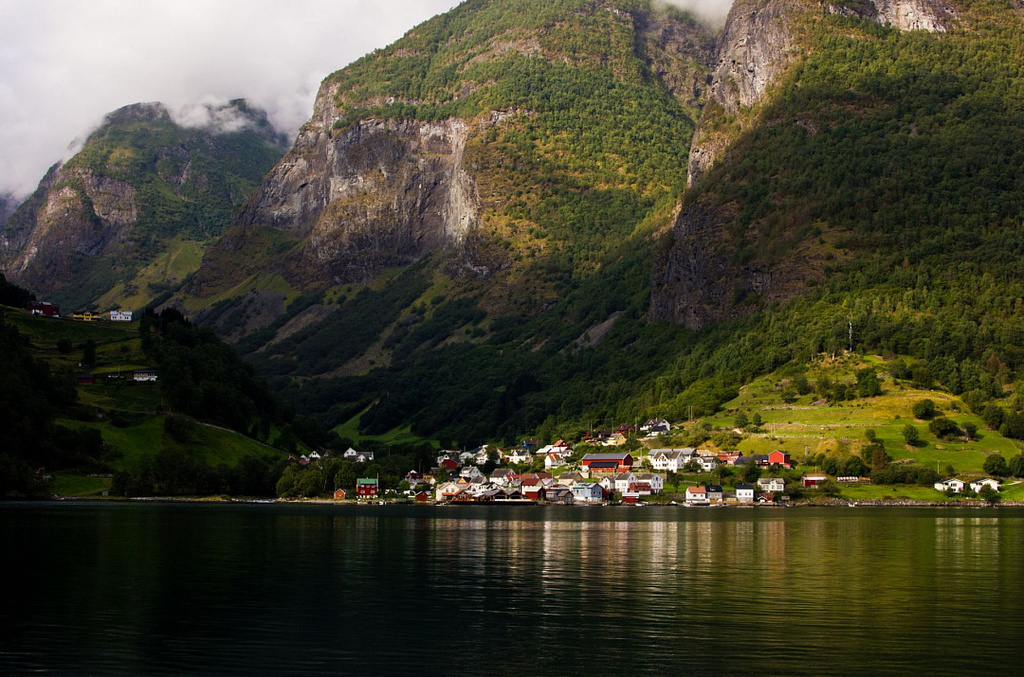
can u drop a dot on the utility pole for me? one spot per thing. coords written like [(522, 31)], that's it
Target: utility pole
[(851, 334)]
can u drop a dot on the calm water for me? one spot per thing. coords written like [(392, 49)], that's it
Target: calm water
[(267, 589)]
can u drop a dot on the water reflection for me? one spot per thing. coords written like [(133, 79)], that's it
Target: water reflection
[(171, 589)]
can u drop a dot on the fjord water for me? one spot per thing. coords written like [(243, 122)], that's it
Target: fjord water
[(292, 589)]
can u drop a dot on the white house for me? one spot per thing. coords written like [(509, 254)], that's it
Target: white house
[(448, 491), (120, 316), (519, 456), (623, 480), (553, 459), (656, 426), (956, 485), (978, 485), (144, 376), (697, 496), (707, 463), (607, 483), (771, 485), (656, 481), (470, 472), (745, 493), (670, 460)]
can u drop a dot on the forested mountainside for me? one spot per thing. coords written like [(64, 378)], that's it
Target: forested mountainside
[(855, 166), (128, 217), (556, 214)]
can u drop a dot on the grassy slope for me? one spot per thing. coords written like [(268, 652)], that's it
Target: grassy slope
[(840, 428), (141, 433)]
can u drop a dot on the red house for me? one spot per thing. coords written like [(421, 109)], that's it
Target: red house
[(779, 458), (86, 380), (366, 488), (608, 463), (339, 495), (449, 465), (422, 497)]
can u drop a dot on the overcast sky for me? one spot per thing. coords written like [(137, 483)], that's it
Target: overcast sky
[(64, 64)]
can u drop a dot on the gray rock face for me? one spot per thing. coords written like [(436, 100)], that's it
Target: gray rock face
[(377, 194), (757, 46), (754, 49), (935, 16)]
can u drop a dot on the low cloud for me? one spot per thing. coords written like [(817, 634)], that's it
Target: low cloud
[(64, 64), (712, 12)]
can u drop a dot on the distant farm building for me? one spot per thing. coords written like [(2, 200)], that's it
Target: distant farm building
[(44, 309), (144, 376), (120, 316), (86, 380), (85, 316), (339, 495)]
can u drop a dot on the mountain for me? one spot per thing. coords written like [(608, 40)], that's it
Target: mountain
[(532, 216), (486, 227), (129, 216)]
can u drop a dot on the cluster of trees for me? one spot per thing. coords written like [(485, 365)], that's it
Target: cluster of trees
[(173, 471), (325, 476)]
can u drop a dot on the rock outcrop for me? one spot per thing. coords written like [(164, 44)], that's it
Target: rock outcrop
[(379, 193), (935, 16)]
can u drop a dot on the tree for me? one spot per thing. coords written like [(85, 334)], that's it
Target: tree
[(871, 435), (741, 421), (989, 494), (996, 466), (751, 473), (801, 384), (868, 384), (757, 420), (970, 429), (89, 354), (924, 409), (943, 428), (911, 435), (1017, 465)]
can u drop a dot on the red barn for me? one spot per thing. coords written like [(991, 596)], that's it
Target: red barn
[(779, 458), (608, 463), (339, 495)]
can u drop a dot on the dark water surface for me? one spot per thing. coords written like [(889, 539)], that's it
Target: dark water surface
[(286, 589)]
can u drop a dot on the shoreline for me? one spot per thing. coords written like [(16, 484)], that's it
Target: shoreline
[(830, 503)]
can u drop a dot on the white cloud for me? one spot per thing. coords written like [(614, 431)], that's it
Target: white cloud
[(64, 64), (711, 11)]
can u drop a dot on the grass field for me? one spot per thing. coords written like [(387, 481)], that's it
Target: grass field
[(403, 435), (807, 425), (76, 485), (216, 445)]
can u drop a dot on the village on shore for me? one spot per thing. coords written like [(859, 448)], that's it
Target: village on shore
[(608, 477)]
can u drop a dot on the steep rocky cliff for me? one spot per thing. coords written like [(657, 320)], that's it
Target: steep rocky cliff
[(465, 136), (760, 41), (714, 270), (142, 190)]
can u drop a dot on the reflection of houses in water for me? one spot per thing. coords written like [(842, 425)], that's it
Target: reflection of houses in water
[(959, 540)]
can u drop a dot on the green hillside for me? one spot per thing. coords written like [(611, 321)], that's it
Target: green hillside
[(170, 437)]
